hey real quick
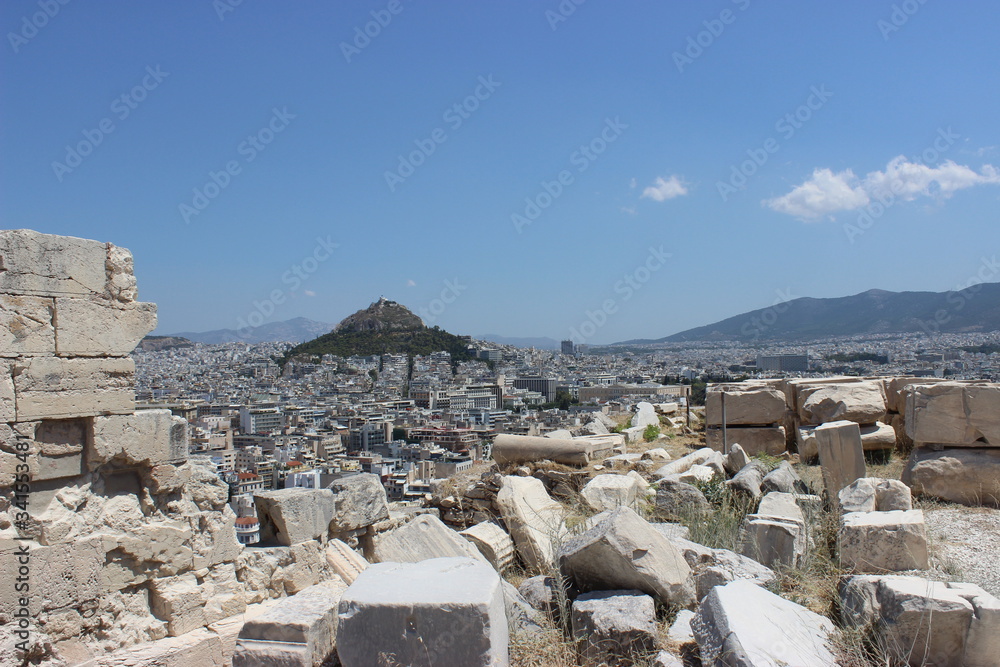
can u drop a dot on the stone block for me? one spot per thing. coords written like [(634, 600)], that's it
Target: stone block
[(345, 561), (749, 479), (100, 327), (783, 479), (61, 575), (606, 492), (493, 543), (840, 455), (679, 500), (307, 619), (443, 611), (883, 541), (701, 456), (954, 414), (623, 551), (535, 521), (147, 437), (360, 501), (26, 326), (423, 538), (645, 415), (872, 494), (179, 602), (509, 449), (292, 516), (860, 402), (198, 647), (960, 475), (754, 440), (749, 406), (53, 388), (614, 628), (743, 624), (48, 265), (774, 541), (898, 390), (874, 437)]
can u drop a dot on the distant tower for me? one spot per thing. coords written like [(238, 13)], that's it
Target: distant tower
[(568, 347)]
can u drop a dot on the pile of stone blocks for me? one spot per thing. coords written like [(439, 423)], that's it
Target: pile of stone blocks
[(820, 401), (897, 391), (755, 416), (955, 428)]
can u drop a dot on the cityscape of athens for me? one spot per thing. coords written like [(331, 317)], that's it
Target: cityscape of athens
[(543, 333)]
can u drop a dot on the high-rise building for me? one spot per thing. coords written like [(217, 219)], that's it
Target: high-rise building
[(783, 362), (568, 347)]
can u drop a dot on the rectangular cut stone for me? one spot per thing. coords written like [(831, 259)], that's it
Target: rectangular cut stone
[(179, 602), (622, 552), (742, 623), (26, 326), (754, 440), (343, 560), (883, 541), (292, 516), (62, 575), (745, 406), (908, 604), (101, 327), (307, 619), (535, 521), (900, 388), (954, 414), (424, 537), (150, 437), (49, 265), (51, 388), (861, 402), (841, 455), (614, 627), (493, 542), (970, 476), (443, 611)]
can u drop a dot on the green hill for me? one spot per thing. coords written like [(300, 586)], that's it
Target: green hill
[(385, 327)]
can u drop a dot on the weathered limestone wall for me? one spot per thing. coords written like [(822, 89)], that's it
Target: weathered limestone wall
[(124, 538)]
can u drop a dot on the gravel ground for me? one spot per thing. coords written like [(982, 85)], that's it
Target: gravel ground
[(966, 540)]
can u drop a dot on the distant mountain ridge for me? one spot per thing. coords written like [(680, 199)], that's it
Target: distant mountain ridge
[(295, 330), (971, 310), (384, 327)]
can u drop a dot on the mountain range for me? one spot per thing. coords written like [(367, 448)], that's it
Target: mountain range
[(971, 310), (295, 330)]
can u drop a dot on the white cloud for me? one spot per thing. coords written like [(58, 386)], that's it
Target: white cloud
[(309, 292), (632, 184), (628, 209), (410, 283), (664, 189), (826, 193)]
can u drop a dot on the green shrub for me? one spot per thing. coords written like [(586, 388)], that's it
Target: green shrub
[(651, 433)]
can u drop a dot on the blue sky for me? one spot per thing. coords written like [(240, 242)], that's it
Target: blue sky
[(646, 167)]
